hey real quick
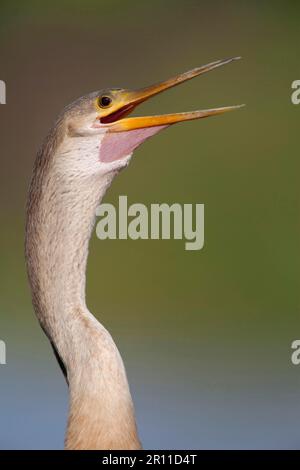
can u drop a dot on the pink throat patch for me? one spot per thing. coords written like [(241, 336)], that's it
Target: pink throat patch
[(117, 145)]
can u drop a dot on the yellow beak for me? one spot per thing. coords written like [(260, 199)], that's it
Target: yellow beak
[(130, 99)]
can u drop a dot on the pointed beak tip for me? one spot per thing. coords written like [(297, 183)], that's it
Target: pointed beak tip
[(136, 97), (235, 107)]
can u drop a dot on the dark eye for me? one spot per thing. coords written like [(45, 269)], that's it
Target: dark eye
[(104, 101)]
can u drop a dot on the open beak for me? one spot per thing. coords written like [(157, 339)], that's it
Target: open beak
[(118, 122)]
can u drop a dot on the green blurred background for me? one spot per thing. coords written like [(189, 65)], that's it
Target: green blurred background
[(205, 336)]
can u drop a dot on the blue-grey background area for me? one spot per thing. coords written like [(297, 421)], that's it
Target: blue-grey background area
[(205, 336)]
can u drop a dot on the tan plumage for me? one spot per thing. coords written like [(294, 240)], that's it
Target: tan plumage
[(89, 144)]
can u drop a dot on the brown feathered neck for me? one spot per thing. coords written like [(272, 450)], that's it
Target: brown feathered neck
[(60, 218)]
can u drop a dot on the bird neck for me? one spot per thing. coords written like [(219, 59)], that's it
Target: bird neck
[(60, 219)]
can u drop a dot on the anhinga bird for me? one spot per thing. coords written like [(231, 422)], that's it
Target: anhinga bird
[(92, 140)]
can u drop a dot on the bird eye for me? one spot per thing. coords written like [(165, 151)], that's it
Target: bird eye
[(104, 101)]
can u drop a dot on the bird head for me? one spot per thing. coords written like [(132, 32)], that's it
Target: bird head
[(102, 118)]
